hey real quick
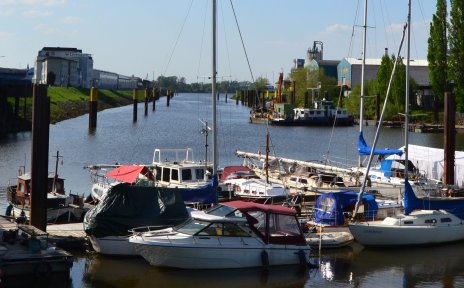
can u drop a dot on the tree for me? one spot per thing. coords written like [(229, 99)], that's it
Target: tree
[(437, 56), (456, 46)]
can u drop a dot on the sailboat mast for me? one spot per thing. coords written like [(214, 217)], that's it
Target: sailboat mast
[(406, 109), (214, 92), (363, 64)]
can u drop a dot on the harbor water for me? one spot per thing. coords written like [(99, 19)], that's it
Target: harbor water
[(118, 139)]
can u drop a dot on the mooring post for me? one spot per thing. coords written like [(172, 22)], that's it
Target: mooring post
[(155, 97), (146, 101), (39, 165), (449, 141), (226, 97), (168, 97), (135, 95), (93, 108)]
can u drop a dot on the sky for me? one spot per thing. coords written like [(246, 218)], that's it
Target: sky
[(151, 38)]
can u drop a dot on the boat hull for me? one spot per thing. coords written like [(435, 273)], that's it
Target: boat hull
[(219, 254), (379, 235), (113, 245)]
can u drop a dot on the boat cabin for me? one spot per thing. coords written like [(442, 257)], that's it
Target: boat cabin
[(274, 224), (177, 167), (20, 193)]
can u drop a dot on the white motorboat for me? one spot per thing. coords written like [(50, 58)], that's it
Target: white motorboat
[(234, 234)]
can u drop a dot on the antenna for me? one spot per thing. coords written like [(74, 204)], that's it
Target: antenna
[(205, 131)]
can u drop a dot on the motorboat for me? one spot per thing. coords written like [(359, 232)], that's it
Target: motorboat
[(131, 174), (61, 207), (235, 234), (127, 206)]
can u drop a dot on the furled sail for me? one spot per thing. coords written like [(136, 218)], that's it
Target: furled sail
[(363, 149)]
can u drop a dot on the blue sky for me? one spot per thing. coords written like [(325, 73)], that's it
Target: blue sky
[(148, 38)]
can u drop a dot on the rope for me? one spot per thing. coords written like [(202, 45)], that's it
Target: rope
[(243, 44), (178, 36)]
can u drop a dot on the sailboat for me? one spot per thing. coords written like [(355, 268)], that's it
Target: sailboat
[(429, 225), (236, 234)]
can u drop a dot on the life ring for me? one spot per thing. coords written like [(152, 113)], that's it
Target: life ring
[(43, 270)]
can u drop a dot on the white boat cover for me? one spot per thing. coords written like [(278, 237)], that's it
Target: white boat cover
[(431, 162)]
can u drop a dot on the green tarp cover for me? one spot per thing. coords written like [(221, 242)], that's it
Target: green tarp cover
[(127, 206)]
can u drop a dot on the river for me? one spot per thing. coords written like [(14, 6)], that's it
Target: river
[(118, 139)]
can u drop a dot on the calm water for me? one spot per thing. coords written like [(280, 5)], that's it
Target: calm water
[(117, 139)]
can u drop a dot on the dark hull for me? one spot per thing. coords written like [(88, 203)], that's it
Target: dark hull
[(313, 122)]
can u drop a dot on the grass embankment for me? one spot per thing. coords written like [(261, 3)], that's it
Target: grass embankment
[(66, 103)]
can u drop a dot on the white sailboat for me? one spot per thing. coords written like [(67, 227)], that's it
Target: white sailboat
[(419, 227)]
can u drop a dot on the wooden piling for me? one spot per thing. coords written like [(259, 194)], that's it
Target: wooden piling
[(155, 97), (449, 141), (146, 101), (93, 108), (226, 97), (168, 97), (135, 96), (40, 142)]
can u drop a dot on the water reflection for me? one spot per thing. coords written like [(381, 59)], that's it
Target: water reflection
[(434, 266), (136, 272)]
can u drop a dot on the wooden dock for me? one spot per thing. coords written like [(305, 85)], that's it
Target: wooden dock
[(25, 253), (67, 236)]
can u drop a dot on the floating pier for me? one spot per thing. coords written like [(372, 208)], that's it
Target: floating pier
[(26, 253)]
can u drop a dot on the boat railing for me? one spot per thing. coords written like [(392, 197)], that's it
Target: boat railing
[(144, 229), (174, 155)]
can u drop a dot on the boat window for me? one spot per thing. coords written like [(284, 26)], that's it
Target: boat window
[(260, 220), (445, 220), (304, 181), (158, 173), (283, 225), (166, 174), (175, 174), (200, 174), (293, 179), (408, 222), (191, 226), (430, 221), (231, 229), (186, 174), (21, 187), (222, 210)]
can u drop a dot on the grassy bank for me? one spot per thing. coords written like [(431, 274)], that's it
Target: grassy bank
[(66, 103)]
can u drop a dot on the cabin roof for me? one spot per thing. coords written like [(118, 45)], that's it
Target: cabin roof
[(249, 206)]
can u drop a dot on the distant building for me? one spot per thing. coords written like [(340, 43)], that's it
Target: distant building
[(12, 76), (67, 66), (349, 74)]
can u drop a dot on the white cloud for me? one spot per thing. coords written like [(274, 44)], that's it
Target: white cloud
[(70, 20), (396, 27), (45, 29), (7, 12), (37, 13), (337, 28)]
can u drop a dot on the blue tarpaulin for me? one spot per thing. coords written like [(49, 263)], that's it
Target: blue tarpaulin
[(331, 207)]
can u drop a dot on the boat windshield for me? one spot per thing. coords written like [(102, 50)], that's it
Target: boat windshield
[(224, 211), (191, 226)]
